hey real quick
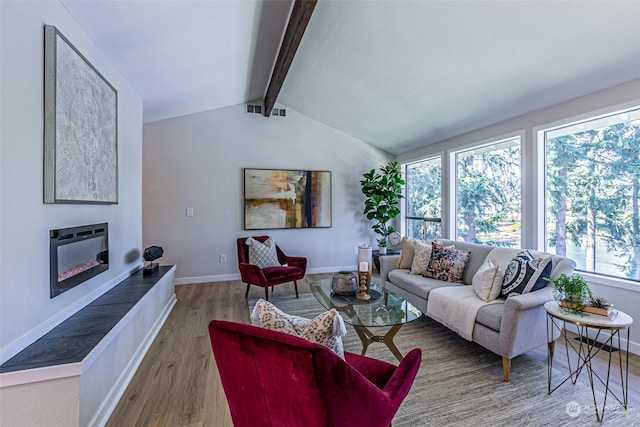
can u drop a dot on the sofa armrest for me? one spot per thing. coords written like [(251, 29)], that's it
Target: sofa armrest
[(531, 299), (387, 263), (524, 323)]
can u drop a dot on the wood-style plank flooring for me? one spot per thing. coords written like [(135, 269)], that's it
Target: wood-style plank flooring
[(177, 383)]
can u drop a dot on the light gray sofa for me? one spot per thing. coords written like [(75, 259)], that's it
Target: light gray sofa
[(507, 329)]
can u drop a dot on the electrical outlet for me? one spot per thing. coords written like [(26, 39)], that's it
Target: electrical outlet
[(223, 258), (355, 250), (189, 211)]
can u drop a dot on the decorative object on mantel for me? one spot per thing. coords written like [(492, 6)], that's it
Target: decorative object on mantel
[(151, 254), (286, 199), (344, 283), (383, 193), (80, 127)]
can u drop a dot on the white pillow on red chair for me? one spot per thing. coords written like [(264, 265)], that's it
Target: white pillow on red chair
[(325, 329), (261, 254)]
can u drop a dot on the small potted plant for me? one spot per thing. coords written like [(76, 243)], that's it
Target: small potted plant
[(571, 292), (382, 245)]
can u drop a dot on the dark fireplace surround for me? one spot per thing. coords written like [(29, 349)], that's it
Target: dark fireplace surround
[(76, 255)]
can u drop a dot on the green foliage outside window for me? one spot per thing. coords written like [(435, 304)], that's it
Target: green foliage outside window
[(593, 196), (591, 188), (488, 190), (424, 199)]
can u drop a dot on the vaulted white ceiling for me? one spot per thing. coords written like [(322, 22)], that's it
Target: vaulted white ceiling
[(396, 74)]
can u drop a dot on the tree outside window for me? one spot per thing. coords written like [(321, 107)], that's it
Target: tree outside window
[(424, 199), (592, 188), (488, 193)]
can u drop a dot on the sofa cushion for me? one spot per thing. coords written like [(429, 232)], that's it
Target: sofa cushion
[(490, 316), (417, 285), (526, 274), (476, 259), (406, 253), (502, 257), (447, 264), (487, 282), (279, 273)]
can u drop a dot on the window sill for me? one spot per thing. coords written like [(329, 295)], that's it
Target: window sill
[(610, 281)]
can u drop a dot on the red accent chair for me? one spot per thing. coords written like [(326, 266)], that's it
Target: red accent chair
[(252, 274), (274, 379)]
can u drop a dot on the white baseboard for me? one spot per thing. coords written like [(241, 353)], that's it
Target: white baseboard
[(205, 279), (227, 277)]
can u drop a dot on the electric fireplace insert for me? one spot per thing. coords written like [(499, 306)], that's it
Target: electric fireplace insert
[(76, 255)]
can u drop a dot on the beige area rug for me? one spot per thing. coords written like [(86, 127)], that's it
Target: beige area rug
[(460, 383)]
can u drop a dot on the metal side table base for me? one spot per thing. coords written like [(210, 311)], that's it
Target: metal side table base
[(587, 348)]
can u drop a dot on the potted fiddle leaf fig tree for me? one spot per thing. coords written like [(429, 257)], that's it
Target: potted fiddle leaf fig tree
[(383, 191)]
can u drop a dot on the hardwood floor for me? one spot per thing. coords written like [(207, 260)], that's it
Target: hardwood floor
[(177, 383)]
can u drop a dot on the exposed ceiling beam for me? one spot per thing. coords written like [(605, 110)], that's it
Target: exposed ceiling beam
[(300, 16)]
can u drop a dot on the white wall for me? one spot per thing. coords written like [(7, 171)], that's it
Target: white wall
[(197, 161), (26, 311), (625, 296)]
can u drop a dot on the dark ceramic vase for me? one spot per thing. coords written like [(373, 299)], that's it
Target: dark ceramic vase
[(344, 283)]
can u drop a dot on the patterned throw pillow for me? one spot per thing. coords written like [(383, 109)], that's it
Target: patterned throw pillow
[(262, 254), (447, 264), (325, 329), (525, 274), (487, 282), (421, 257)]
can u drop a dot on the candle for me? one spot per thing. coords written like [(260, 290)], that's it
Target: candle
[(364, 266)]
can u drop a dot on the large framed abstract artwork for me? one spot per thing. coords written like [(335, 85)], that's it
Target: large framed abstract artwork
[(80, 127), (276, 198)]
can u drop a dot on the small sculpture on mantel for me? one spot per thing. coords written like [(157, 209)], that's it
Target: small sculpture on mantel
[(151, 254)]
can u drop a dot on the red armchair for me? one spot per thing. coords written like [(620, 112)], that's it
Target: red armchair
[(274, 379), (252, 274)]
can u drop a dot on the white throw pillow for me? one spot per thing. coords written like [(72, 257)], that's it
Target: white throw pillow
[(325, 329), (487, 282), (262, 254)]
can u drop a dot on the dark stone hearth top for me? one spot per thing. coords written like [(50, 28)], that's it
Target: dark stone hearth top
[(72, 340)]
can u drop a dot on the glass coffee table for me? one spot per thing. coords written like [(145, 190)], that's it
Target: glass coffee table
[(384, 309)]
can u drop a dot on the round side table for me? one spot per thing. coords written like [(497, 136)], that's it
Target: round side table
[(588, 346)]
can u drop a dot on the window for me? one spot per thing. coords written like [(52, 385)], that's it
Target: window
[(488, 194), (424, 199), (592, 193)]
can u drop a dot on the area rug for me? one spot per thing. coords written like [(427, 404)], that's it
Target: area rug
[(460, 383)]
